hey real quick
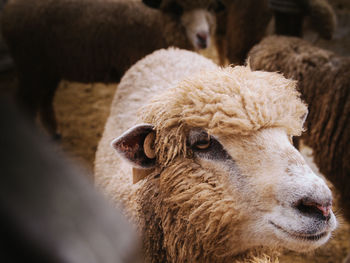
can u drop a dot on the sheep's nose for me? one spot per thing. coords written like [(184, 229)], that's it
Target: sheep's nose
[(315, 208), (202, 38)]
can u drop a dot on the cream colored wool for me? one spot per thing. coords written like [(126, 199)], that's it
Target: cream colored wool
[(137, 87), (230, 101), (188, 210)]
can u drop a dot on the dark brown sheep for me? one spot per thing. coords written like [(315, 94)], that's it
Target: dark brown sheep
[(324, 81), (91, 41), (244, 23), (240, 26)]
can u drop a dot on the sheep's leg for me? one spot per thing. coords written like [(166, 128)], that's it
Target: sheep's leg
[(220, 37), (27, 97), (288, 24), (221, 46), (247, 21), (35, 95), (46, 109)]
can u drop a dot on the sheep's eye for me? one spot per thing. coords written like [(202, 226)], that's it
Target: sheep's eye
[(202, 141), (202, 145), (199, 139), (205, 146)]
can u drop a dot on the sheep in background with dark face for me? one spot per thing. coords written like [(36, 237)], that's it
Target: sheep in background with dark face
[(93, 41), (243, 23)]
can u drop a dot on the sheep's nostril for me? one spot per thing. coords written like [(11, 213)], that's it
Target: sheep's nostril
[(315, 209), (202, 38), (326, 210)]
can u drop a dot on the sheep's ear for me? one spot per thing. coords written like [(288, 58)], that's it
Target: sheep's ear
[(137, 146), (152, 3)]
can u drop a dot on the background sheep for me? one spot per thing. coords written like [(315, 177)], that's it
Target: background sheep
[(240, 26), (245, 22), (220, 175), (325, 84), (49, 212), (90, 41), (289, 16)]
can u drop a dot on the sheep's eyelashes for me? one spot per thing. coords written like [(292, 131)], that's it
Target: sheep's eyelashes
[(202, 145), (202, 141), (148, 145), (206, 146)]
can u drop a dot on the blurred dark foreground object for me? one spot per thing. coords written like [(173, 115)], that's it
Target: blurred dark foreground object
[(49, 212), (6, 62)]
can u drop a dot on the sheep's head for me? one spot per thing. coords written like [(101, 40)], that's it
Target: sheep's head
[(230, 178), (196, 17)]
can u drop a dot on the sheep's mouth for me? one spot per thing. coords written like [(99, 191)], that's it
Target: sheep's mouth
[(201, 45), (301, 237)]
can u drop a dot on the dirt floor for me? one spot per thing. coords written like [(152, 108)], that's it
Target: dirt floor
[(82, 110)]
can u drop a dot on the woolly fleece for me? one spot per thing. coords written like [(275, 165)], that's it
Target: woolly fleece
[(182, 213)]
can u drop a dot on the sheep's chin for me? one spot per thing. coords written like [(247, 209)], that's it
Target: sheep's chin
[(301, 233), (300, 242)]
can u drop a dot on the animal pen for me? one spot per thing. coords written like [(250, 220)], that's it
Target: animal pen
[(69, 230)]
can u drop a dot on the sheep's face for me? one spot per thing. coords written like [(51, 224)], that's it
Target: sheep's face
[(240, 191), (228, 175), (196, 18), (280, 200), (200, 26)]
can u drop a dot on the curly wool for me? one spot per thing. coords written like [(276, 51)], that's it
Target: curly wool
[(196, 215), (235, 101), (182, 213)]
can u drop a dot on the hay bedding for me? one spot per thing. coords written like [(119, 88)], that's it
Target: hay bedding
[(82, 110)]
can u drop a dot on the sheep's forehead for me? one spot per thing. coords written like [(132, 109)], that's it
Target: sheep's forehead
[(231, 101)]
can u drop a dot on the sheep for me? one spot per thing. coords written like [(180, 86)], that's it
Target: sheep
[(243, 23), (49, 211), (240, 25), (91, 41), (289, 15), (325, 84), (207, 171)]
